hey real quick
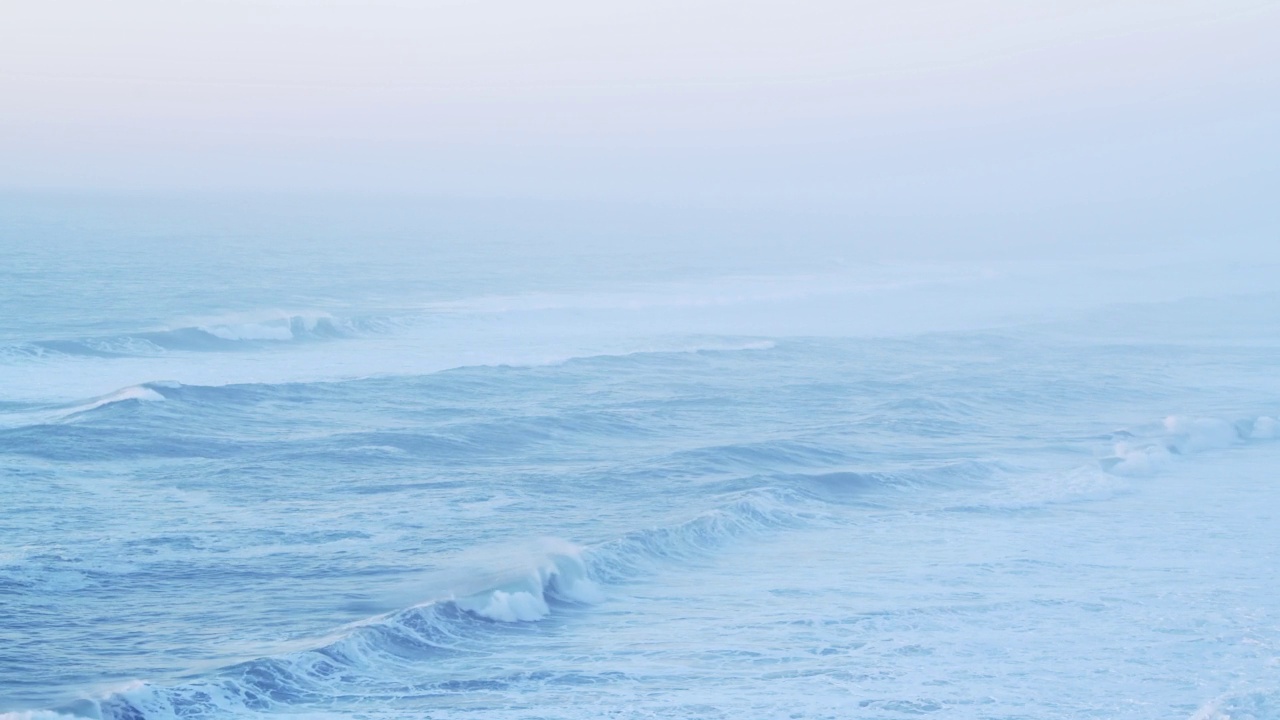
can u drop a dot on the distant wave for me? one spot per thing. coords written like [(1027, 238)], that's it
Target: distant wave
[(29, 380), (14, 414), (670, 302), (50, 414), (142, 393), (219, 335)]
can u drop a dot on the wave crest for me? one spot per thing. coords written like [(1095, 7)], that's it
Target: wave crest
[(213, 335), (1180, 435), (52, 414)]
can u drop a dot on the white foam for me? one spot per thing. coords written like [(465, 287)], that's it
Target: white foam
[(559, 572), (89, 707), (1189, 435), (266, 317), (1265, 428), (1132, 460), (1184, 435), (1081, 484), (521, 605)]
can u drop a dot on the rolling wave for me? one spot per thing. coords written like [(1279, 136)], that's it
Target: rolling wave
[(383, 657), (52, 414), (214, 336)]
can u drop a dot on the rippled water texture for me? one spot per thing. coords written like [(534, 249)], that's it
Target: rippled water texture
[(331, 470)]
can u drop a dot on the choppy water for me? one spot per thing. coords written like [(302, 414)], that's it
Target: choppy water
[(249, 473)]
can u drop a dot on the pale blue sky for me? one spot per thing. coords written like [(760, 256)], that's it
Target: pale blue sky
[(890, 108)]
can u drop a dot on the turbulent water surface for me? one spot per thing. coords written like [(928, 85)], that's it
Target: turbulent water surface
[(345, 474)]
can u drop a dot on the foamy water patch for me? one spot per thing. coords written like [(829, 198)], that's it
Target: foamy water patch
[(1029, 490), (1198, 434), (1182, 435), (1137, 460), (1264, 428), (1258, 705)]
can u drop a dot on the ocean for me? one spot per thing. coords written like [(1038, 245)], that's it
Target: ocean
[(398, 463)]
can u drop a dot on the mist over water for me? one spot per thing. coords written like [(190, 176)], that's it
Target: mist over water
[(663, 360)]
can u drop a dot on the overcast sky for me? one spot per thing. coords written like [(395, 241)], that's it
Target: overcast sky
[(968, 106)]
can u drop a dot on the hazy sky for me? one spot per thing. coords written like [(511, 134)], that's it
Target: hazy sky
[(969, 106)]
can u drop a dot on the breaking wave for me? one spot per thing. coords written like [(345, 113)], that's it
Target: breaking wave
[(1152, 452), (472, 613)]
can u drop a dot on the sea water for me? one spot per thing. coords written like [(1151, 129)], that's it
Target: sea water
[(339, 466)]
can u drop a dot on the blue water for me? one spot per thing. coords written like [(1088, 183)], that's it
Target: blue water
[(298, 462)]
